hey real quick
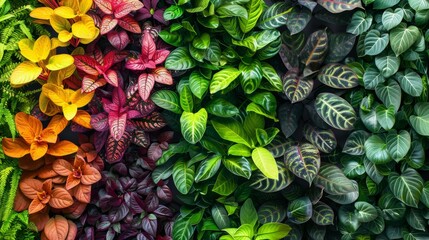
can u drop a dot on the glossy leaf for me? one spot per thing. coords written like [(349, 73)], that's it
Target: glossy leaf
[(239, 166), (398, 144), (359, 23), (261, 183), (179, 59), (168, 100), (208, 168), (407, 187), (332, 180), (295, 87), (274, 16), (193, 125), (338, 76), (365, 212), (225, 183), (265, 162), (300, 210), (385, 116), (232, 131), (322, 214), (183, 176), (273, 231), (315, 49), (335, 111), (392, 18), (254, 8), (223, 79), (289, 115), (376, 150), (388, 64), (410, 82), (323, 139), (340, 6), (375, 42), (420, 121), (303, 160), (271, 212), (403, 37), (198, 84)]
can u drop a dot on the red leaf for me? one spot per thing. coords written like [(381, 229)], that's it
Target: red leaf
[(111, 77), (116, 149), (128, 23), (118, 39), (151, 123), (148, 46), (160, 56), (99, 122), (104, 6), (108, 60), (141, 138), (146, 84), (117, 125), (126, 7), (86, 64), (119, 98), (57, 228), (133, 114), (60, 198), (107, 24), (162, 75), (135, 64)]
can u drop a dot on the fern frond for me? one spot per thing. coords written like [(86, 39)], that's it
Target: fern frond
[(8, 205), (4, 176)]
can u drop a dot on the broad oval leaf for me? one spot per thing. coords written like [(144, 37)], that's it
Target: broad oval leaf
[(387, 64), (315, 49), (208, 168), (183, 176), (179, 59), (390, 94), (340, 5), (289, 116), (359, 23), (261, 183), (376, 150), (265, 162), (410, 82), (168, 100), (223, 78), (322, 214), (365, 212), (225, 183), (407, 187), (403, 37), (398, 144), (420, 121), (239, 166), (232, 131), (275, 16), (300, 210), (340, 45), (193, 125), (323, 139), (392, 18), (335, 111), (273, 230), (272, 212), (303, 160), (333, 180), (198, 84), (372, 77), (338, 76), (295, 87), (355, 143)]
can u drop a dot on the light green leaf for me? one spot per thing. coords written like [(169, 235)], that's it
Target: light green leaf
[(273, 231), (208, 168), (193, 125), (223, 78), (407, 187), (183, 176), (198, 84), (265, 162), (403, 37), (275, 16), (232, 131), (255, 8), (179, 59), (232, 10)]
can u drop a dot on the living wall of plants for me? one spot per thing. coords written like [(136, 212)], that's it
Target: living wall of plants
[(214, 119)]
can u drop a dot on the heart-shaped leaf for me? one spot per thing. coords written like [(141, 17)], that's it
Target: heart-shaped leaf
[(398, 145), (403, 37), (407, 187), (365, 212), (376, 150), (359, 23), (179, 59), (193, 125), (420, 121), (375, 42), (410, 82), (392, 18), (388, 64)]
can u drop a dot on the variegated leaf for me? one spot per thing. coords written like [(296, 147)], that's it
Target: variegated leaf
[(340, 5), (338, 76), (261, 183), (315, 49), (295, 87), (335, 111), (116, 149), (323, 139), (303, 160)]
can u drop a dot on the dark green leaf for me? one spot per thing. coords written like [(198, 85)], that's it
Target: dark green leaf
[(335, 111), (168, 100), (355, 143), (338, 76), (271, 212), (407, 187), (275, 16), (225, 183), (332, 179), (300, 210), (179, 59), (239, 166), (303, 160), (261, 183)]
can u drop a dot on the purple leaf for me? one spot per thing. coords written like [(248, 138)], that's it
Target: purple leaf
[(152, 202), (150, 224)]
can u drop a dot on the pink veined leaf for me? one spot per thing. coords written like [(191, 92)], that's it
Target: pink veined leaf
[(120, 56), (90, 83), (154, 152), (117, 124), (124, 8), (145, 107), (146, 84), (162, 75), (160, 56), (135, 64), (115, 149), (111, 77), (119, 98), (86, 64), (150, 123), (108, 106), (128, 23), (148, 46), (131, 114), (118, 39), (107, 24), (99, 122), (97, 55), (105, 6), (132, 93)]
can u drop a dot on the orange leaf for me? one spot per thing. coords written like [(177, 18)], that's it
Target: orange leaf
[(90, 175), (27, 163), (21, 203), (49, 135), (36, 206), (30, 187), (62, 167), (59, 179), (24, 73), (83, 193), (72, 230), (40, 219), (15, 149), (60, 198), (57, 124), (47, 172), (72, 182), (38, 150), (62, 148), (83, 118), (28, 126), (56, 228)]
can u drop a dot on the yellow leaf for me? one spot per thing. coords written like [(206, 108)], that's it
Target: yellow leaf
[(26, 47), (42, 47), (83, 118), (89, 40), (65, 12), (65, 36), (59, 24), (55, 42), (24, 73), (81, 99), (60, 61), (84, 6), (69, 111), (74, 4), (57, 94), (84, 28), (43, 13), (78, 51), (68, 71)]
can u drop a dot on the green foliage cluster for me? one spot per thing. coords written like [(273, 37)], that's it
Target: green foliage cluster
[(14, 26)]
